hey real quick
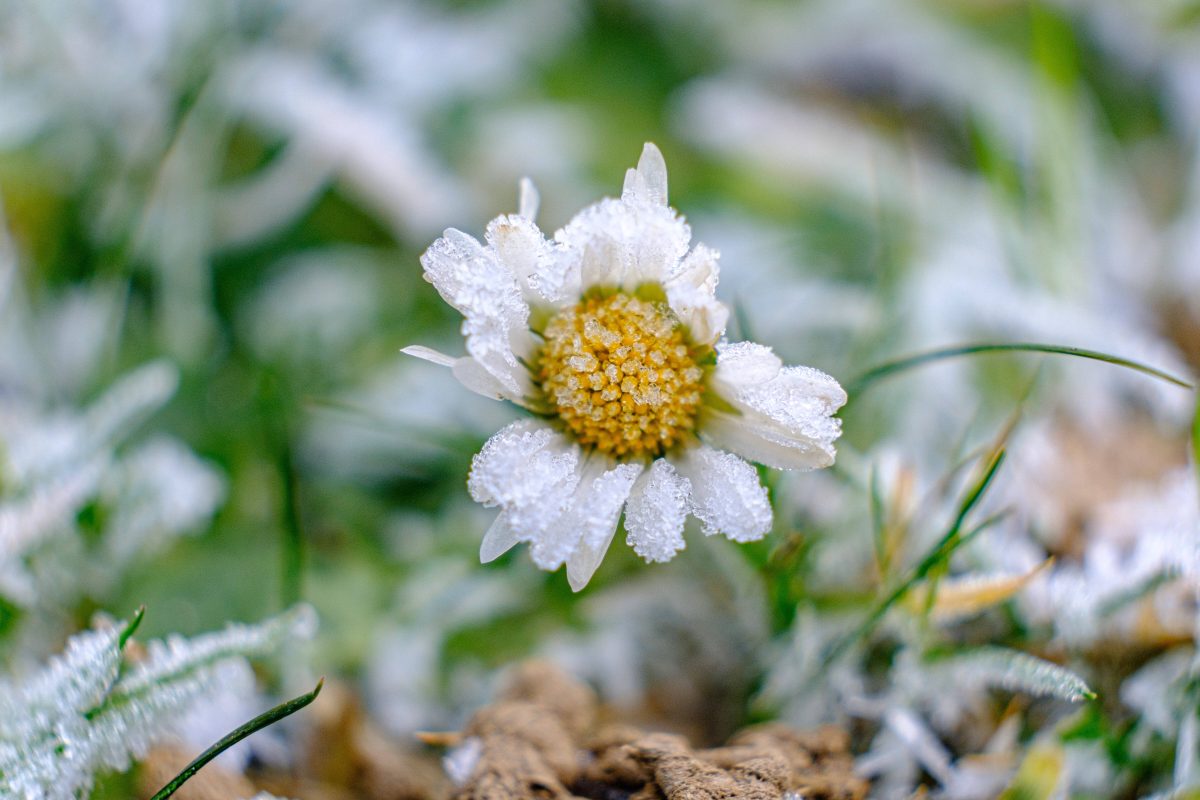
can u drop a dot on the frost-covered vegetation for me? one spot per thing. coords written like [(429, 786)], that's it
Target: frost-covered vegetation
[(212, 222)]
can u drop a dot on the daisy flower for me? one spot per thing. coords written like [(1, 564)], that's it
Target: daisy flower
[(611, 336)]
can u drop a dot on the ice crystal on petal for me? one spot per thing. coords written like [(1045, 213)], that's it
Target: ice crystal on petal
[(595, 513), (529, 471), (626, 244), (786, 413), (523, 251), (692, 294), (727, 496), (601, 505), (746, 364), (471, 279), (657, 510), (582, 511)]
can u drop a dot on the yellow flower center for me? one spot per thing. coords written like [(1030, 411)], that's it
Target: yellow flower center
[(620, 375)]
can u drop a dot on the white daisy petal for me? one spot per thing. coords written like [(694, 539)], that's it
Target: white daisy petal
[(702, 314), (647, 183), (530, 472), (745, 364), (726, 494), (600, 263), (595, 514), (700, 270), (765, 442), (499, 539), (641, 242), (528, 200), (634, 187), (785, 414), (656, 512), (429, 354), (469, 373), (471, 278), (653, 169), (521, 247), (555, 542), (692, 295)]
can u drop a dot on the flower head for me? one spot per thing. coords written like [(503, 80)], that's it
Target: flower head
[(610, 334)]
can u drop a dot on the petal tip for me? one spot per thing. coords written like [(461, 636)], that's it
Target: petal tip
[(528, 199)]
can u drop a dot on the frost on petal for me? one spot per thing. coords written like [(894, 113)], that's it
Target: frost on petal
[(726, 494), (471, 278), (520, 246), (745, 364), (785, 414), (527, 470), (656, 512), (559, 537), (595, 514), (703, 315), (627, 244), (692, 296), (763, 441), (700, 270)]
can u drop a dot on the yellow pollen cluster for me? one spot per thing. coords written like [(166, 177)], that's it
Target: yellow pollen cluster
[(620, 375)]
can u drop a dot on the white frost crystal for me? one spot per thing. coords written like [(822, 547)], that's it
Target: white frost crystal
[(611, 333), (86, 710)]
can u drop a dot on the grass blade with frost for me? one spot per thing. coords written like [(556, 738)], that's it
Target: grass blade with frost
[(1003, 668)]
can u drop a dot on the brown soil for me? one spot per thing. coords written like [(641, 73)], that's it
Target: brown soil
[(540, 739)]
